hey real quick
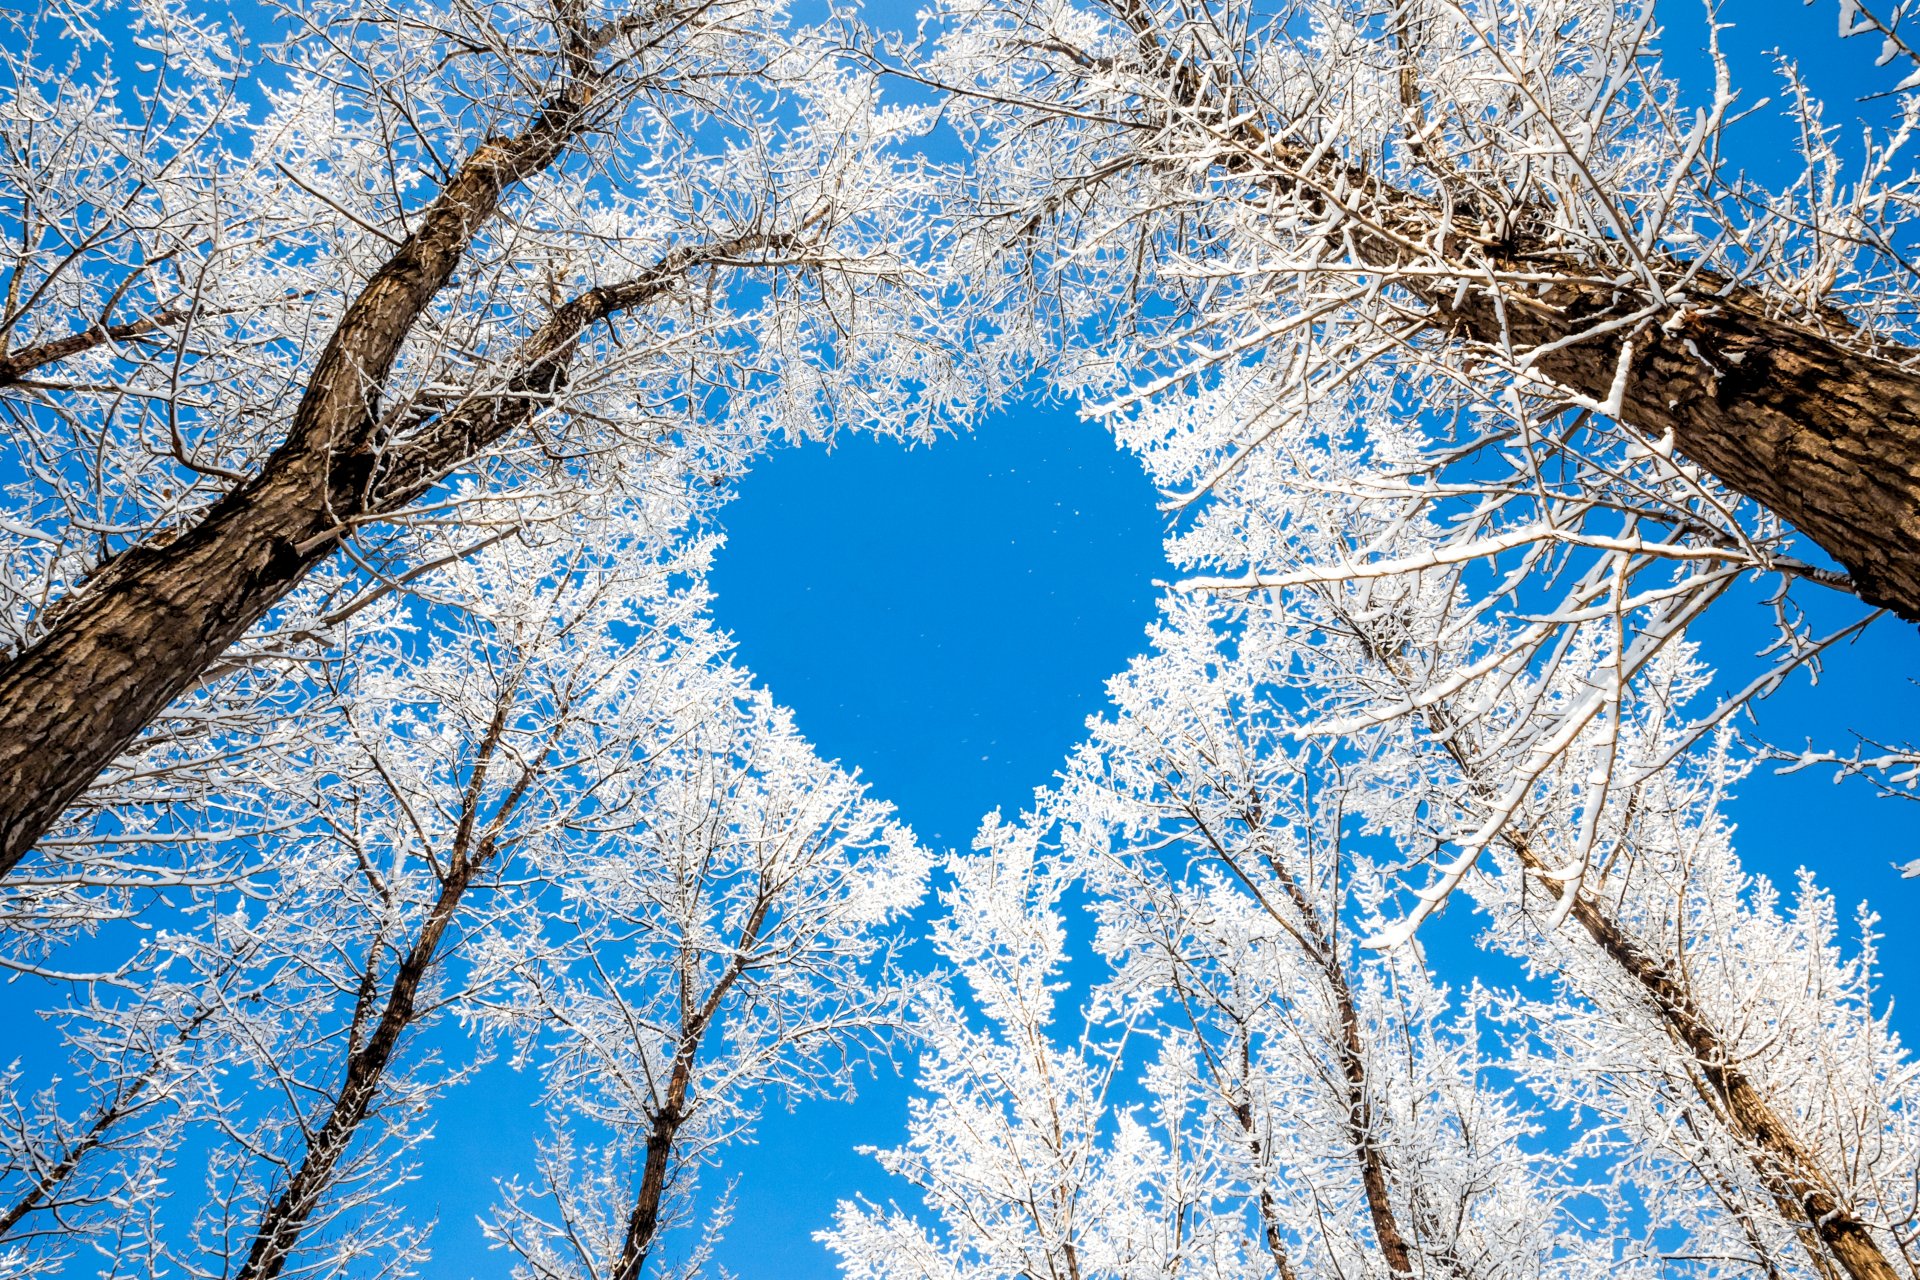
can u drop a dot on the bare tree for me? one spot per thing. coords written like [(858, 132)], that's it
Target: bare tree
[(724, 936), (272, 336), (449, 765), (1508, 224)]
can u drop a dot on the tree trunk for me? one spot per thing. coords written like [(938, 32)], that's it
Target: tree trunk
[(1375, 1180), (281, 1225), (152, 621), (1823, 434), (1805, 1197), (138, 636), (1826, 437), (644, 1218), (1789, 1173), (140, 633)]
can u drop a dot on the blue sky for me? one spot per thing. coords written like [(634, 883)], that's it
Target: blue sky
[(943, 617)]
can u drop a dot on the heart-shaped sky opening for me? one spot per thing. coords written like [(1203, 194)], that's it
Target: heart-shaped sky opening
[(944, 618)]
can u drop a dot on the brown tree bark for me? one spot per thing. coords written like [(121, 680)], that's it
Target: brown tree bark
[(280, 1226), (1807, 1200), (1792, 415), (1375, 1180), (155, 618), (1826, 437), (143, 629)]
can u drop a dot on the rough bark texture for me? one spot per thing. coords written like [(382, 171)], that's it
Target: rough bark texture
[(1826, 437), (141, 632), (154, 619), (1809, 425)]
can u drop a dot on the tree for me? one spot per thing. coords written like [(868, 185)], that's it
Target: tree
[(1227, 896), (408, 808), (75, 1153), (1510, 223), (1248, 1097), (1319, 1105), (720, 933), (1021, 1139), (457, 759), (449, 231), (1579, 774)]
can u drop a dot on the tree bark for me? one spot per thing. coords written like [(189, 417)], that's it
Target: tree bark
[(1807, 1201), (1813, 427), (643, 1220), (1826, 437), (1320, 946), (141, 632), (155, 618), (1375, 1180), (468, 855)]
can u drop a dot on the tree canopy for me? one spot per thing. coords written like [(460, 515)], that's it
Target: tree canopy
[(373, 374)]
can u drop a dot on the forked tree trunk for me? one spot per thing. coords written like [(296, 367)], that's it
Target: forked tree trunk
[(142, 631), (147, 626), (643, 1217), (1320, 948)]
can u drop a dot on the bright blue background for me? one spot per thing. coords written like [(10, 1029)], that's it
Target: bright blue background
[(943, 617), (938, 618)]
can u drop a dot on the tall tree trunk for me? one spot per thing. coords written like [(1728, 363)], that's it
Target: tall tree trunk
[(1375, 1180), (1806, 1199), (470, 852), (1321, 947), (1813, 427), (153, 620), (142, 631), (1825, 436)]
